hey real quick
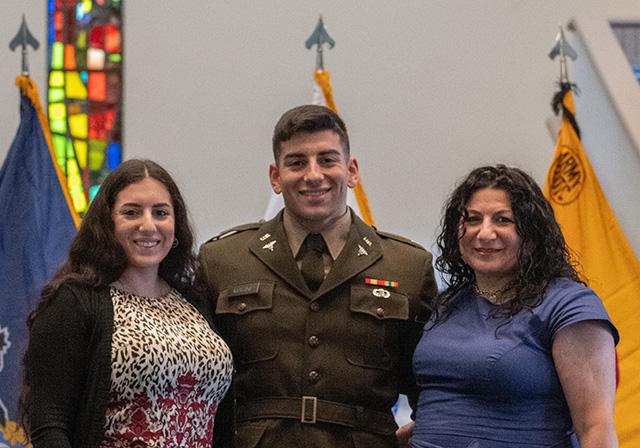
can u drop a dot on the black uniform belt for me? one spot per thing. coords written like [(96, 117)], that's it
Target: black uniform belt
[(311, 410)]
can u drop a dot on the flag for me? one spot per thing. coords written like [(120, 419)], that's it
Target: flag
[(607, 261), (37, 223), (357, 198)]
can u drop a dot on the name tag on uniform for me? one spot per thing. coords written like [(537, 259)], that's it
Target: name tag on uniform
[(245, 289)]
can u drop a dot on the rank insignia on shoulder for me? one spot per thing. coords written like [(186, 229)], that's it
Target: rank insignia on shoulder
[(377, 282), (399, 238), (235, 230)]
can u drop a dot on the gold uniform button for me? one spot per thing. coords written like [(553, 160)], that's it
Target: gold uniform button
[(380, 311), (314, 377), (242, 306), (314, 341)]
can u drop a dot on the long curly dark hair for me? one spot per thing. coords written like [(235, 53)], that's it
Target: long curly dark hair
[(543, 254), (96, 258)]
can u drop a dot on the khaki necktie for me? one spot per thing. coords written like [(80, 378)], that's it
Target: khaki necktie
[(312, 266)]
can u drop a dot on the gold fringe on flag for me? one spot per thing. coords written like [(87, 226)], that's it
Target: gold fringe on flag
[(29, 89)]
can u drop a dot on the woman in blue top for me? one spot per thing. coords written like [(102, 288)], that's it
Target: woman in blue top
[(518, 352)]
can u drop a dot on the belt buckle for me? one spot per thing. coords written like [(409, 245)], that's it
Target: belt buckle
[(309, 403)]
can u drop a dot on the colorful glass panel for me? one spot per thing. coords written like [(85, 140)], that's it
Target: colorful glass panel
[(95, 59), (85, 92), (112, 39), (56, 94), (81, 152), (69, 57), (57, 55), (56, 79), (75, 88), (97, 86)]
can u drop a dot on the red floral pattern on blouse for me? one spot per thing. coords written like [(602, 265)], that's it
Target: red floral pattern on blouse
[(179, 418), (169, 371)]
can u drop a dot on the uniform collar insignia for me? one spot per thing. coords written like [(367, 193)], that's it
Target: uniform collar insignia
[(362, 251), (265, 236), (269, 245)]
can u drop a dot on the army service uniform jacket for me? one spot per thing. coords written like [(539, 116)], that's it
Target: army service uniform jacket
[(318, 369)]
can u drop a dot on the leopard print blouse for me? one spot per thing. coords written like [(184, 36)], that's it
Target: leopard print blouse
[(169, 372)]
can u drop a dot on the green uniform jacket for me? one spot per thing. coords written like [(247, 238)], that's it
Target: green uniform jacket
[(318, 369)]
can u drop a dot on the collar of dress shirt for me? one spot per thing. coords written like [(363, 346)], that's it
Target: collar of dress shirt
[(335, 236)]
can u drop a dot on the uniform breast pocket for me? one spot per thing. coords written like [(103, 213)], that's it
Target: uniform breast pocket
[(376, 316), (247, 310)]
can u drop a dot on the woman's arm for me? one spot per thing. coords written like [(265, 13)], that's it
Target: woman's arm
[(56, 368), (584, 356)]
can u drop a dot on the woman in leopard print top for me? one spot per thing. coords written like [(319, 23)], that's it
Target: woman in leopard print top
[(122, 349)]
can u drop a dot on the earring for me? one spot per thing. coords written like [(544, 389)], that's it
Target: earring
[(175, 243)]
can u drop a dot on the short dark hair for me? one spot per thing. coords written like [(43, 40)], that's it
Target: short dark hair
[(308, 119), (543, 254)]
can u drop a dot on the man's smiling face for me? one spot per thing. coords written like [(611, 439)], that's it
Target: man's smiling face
[(313, 176)]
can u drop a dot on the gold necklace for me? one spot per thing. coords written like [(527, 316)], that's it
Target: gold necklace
[(494, 295)]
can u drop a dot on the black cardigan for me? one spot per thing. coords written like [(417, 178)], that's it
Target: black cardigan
[(70, 386)]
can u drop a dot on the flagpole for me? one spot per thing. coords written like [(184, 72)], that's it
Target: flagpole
[(319, 37), (37, 228), (562, 49), (24, 39)]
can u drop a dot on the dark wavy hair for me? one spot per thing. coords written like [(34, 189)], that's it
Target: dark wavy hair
[(543, 254), (96, 258)]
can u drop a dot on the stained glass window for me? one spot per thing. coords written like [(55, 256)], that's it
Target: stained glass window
[(85, 92)]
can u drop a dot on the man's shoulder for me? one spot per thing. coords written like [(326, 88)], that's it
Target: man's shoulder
[(231, 234), (403, 241)]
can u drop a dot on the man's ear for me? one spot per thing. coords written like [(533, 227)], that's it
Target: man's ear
[(353, 172), (274, 178)]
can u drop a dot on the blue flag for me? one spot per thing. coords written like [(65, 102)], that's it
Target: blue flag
[(36, 227)]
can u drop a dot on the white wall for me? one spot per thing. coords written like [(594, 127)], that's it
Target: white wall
[(11, 62), (428, 89)]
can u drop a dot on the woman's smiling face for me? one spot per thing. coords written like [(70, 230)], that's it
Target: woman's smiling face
[(488, 240), (144, 223)]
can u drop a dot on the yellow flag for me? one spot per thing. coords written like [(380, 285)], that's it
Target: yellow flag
[(607, 261)]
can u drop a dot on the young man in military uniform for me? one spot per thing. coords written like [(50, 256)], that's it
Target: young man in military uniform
[(322, 312)]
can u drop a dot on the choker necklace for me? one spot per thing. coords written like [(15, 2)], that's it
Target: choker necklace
[(494, 295)]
